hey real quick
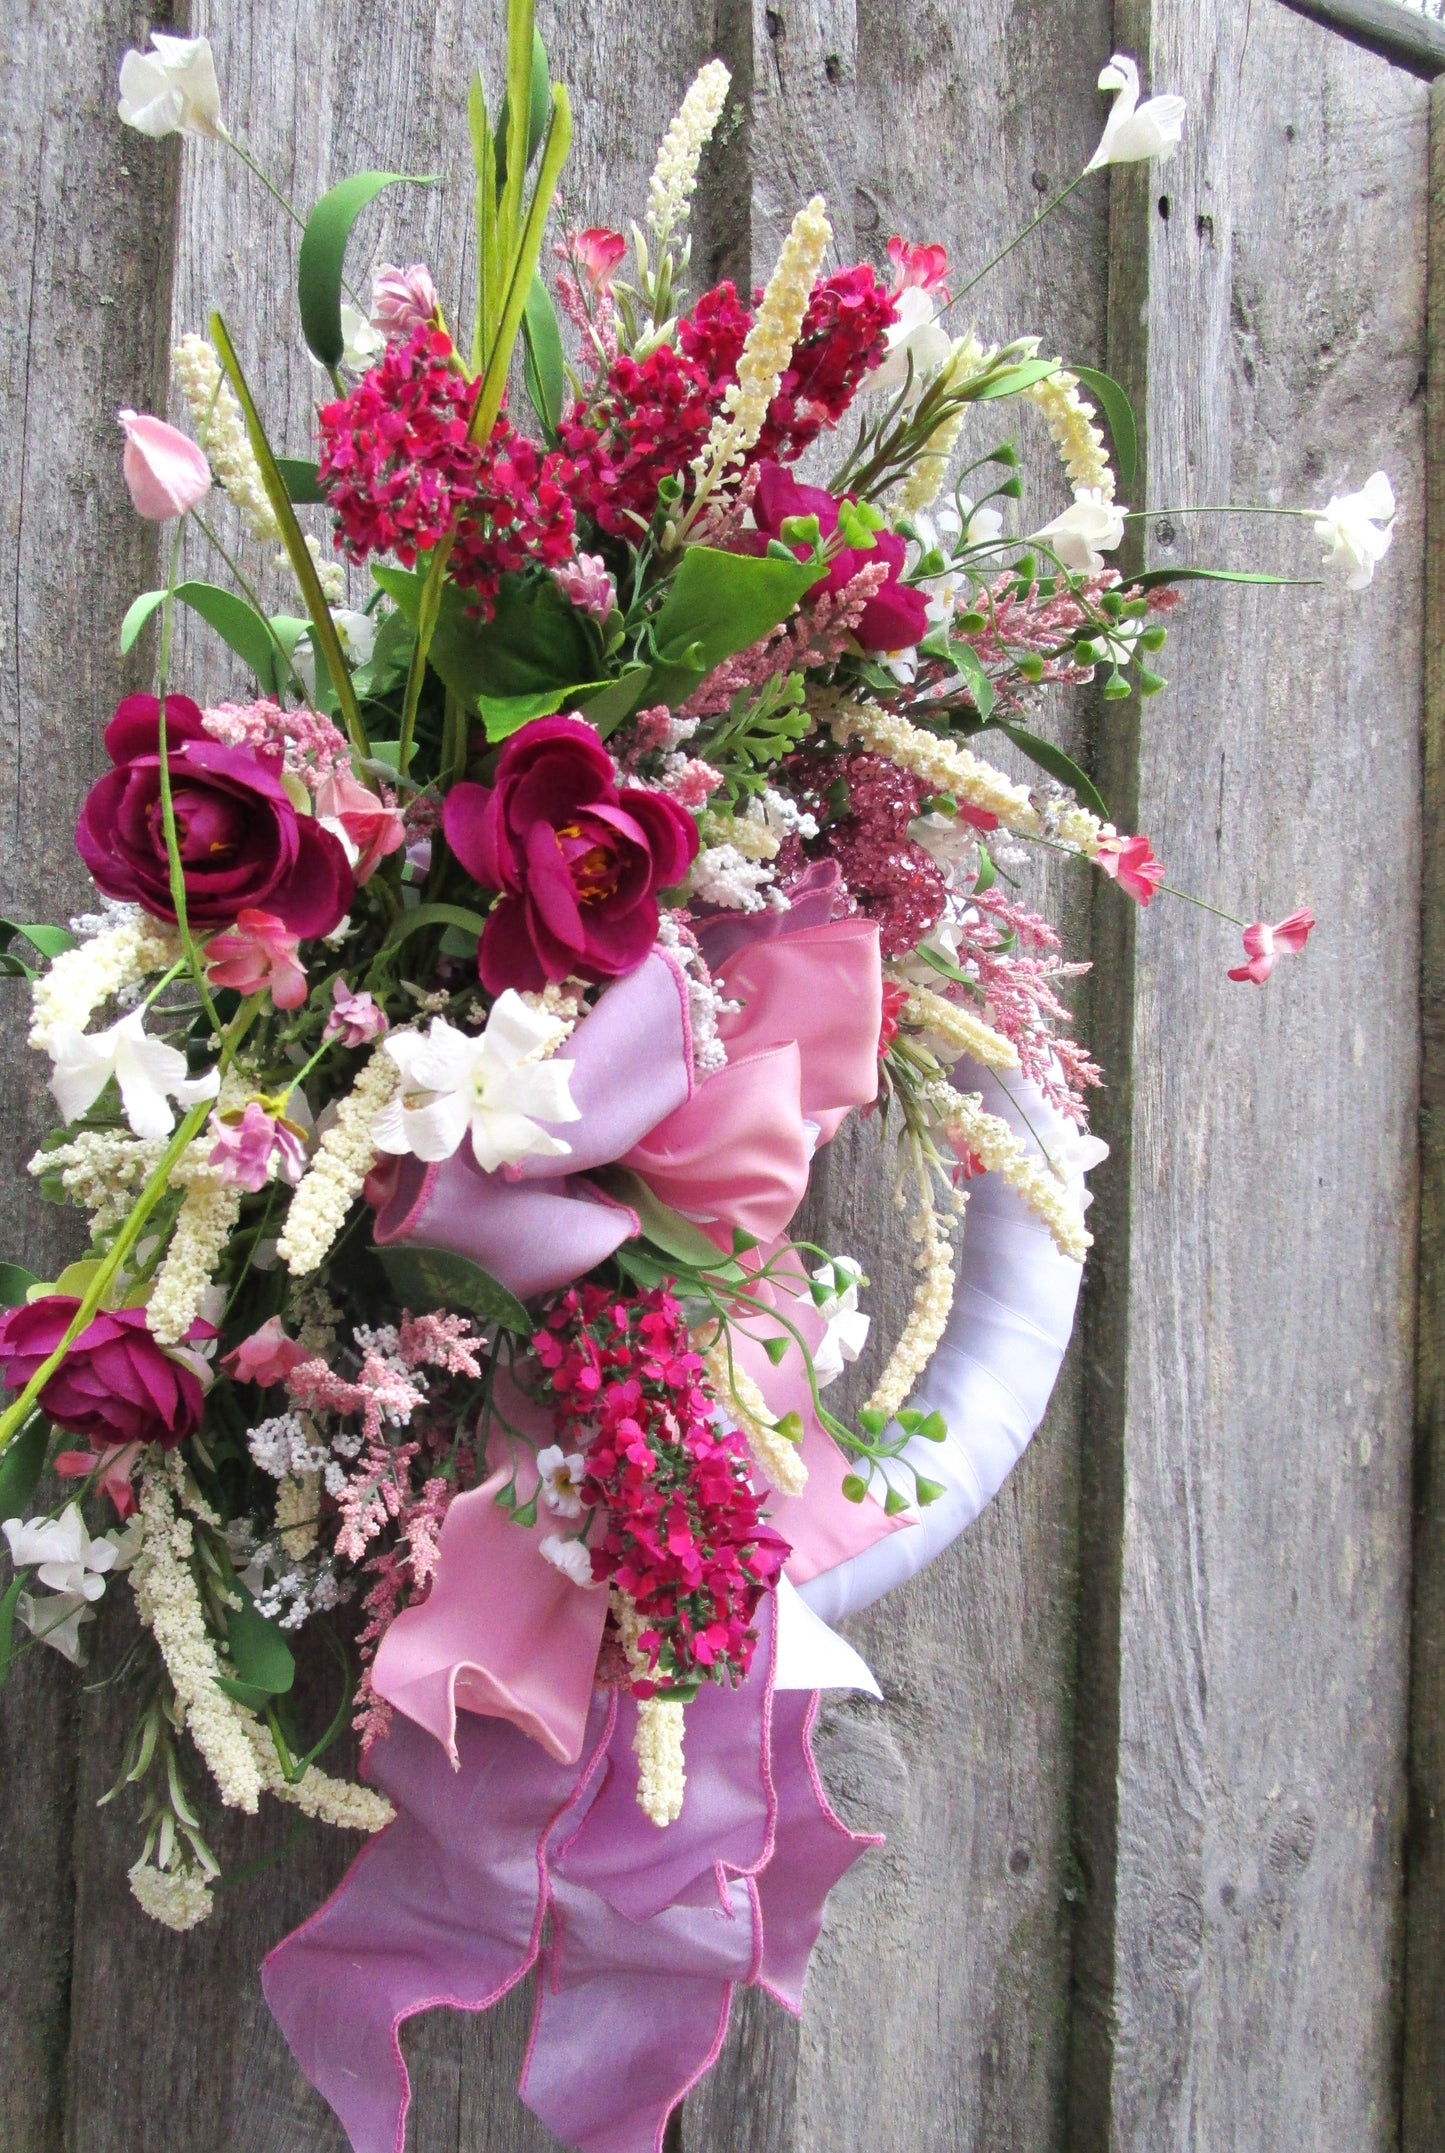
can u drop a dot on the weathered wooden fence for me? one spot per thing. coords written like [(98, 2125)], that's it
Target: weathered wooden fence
[(1149, 1754)]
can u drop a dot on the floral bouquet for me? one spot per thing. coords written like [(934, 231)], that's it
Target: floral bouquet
[(441, 1070)]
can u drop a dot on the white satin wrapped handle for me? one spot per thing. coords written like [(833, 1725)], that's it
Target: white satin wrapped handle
[(994, 1371)]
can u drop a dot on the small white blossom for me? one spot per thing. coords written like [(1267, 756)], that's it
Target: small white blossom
[(171, 90), (721, 876), (147, 1071), (61, 1552), (848, 1327), (1083, 534), (1356, 529), (917, 334), (561, 1473), (568, 1556), (493, 1088), (1135, 132)]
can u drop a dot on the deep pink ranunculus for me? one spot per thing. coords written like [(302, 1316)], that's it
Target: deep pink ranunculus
[(579, 863), (242, 841), (116, 1384), (895, 617)]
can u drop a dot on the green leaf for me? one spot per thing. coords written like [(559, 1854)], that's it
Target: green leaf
[(535, 641), (544, 367), (643, 1269), (22, 1464), (667, 1229), (7, 1622), (302, 485), (718, 604), (1154, 579), (321, 262), (15, 1283), (617, 700), (426, 1279), (1015, 379), (259, 1653), (1119, 412), (49, 941), (504, 715), (422, 916), (539, 104), (980, 687), (237, 624), (1058, 765)]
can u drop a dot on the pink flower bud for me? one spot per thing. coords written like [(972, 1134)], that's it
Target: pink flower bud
[(356, 1020), (257, 953), (588, 585), (596, 253), (266, 1357), (402, 301), (247, 1143), (166, 473), (917, 268)]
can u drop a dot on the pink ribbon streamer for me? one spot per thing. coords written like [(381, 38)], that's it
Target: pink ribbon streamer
[(651, 1931)]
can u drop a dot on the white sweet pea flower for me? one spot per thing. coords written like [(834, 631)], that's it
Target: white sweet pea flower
[(948, 839), (171, 90), (494, 1088), (561, 1473), (61, 1552), (356, 633), (1134, 132), (1074, 1153), (917, 334), (984, 525), (148, 1072), (1356, 529), (848, 1328), (361, 344), (1083, 534), (55, 1619), (568, 1556)]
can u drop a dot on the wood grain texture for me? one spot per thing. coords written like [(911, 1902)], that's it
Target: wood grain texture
[(1240, 1949)]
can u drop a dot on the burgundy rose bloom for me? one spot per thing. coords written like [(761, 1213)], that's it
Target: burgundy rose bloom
[(116, 1384), (242, 842), (579, 863), (895, 617)]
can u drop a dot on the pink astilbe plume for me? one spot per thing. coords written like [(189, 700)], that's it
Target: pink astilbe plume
[(312, 748), (382, 1396), (818, 634), (1013, 954), (441, 1341)]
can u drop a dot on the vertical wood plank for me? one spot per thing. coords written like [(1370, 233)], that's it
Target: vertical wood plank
[(1424, 2087), (1244, 1642)]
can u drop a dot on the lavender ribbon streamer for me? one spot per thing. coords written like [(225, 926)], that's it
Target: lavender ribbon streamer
[(651, 1930)]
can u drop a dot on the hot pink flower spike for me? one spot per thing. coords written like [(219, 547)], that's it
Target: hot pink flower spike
[(917, 268), (166, 473), (1130, 862), (1262, 945), (256, 954)]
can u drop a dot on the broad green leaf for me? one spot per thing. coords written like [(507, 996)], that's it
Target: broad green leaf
[(322, 258), (667, 1229), (1119, 412), (422, 916), (1015, 379), (259, 1653), (545, 369), (302, 485), (49, 941), (535, 641), (718, 604), (15, 1283), (617, 700), (426, 1279), (504, 715), (21, 1467), (1154, 579), (980, 687), (539, 105), (987, 872), (7, 1622), (1058, 765), (642, 1267), (235, 622)]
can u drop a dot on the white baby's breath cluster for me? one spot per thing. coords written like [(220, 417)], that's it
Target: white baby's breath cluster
[(72, 987), (932, 1303), (170, 1607), (705, 1003), (925, 481), (769, 345), (721, 875), (343, 1160), (674, 176), (957, 1030), (778, 1461), (339, 1802), (1070, 420), (1000, 1151), (221, 430), (205, 1222)]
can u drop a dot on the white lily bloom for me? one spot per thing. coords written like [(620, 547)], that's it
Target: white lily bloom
[(561, 1471), (568, 1556), (1356, 528), (1083, 534), (494, 1088), (848, 1327), (1134, 132), (917, 334), (171, 90), (61, 1552), (148, 1072)]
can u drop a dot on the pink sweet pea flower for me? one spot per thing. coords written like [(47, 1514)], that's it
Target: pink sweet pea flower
[(1262, 945), (116, 1468), (1130, 862), (356, 1019), (917, 268), (166, 473), (257, 954), (597, 252), (586, 583), (266, 1357), (369, 827), (247, 1143)]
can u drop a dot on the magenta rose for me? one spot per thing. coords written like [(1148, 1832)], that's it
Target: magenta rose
[(578, 861), (895, 617), (242, 842), (116, 1384)]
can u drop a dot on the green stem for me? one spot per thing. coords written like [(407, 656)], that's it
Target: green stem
[(248, 592), (1017, 241), (168, 812), (16, 1415)]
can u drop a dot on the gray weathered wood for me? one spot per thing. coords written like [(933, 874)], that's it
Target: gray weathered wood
[(1383, 27), (1248, 1551)]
